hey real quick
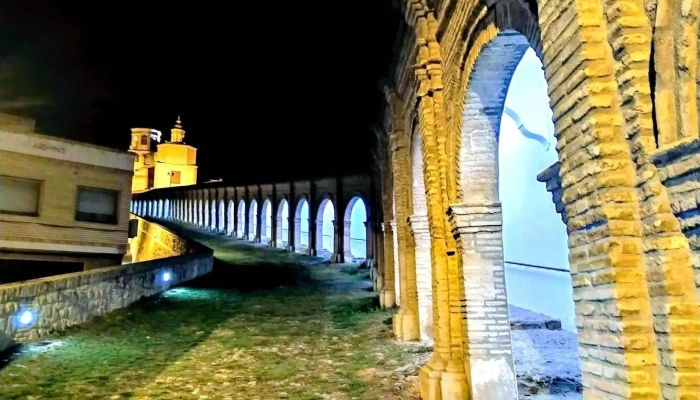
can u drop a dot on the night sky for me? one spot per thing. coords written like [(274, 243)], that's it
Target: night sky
[(266, 93)]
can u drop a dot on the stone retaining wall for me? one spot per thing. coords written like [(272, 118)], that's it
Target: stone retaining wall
[(61, 301)]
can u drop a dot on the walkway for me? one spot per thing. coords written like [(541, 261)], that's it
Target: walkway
[(266, 324)]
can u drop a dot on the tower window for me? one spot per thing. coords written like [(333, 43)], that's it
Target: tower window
[(144, 140), (175, 177)]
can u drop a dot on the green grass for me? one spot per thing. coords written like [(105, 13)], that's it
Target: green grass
[(264, 324)]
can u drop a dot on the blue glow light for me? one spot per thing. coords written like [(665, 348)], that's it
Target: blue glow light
[(166, 277), (25, 317)]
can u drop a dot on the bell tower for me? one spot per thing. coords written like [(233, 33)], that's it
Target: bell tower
[(177, 134)]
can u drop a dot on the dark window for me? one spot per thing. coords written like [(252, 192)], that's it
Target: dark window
[(19, 196), (174, 177), (144, 140), (96, 205)]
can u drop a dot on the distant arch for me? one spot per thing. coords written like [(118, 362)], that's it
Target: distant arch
[(241, 219), (325, 229), (283, 224), (205, 222), (166, 209), (301, 223), (355, 229), (266, 222), (212, 221), (253, 220), (198, 217), (229, 221), (222, 216)]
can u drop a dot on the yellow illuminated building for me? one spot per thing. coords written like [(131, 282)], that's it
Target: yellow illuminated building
[(174, 163)]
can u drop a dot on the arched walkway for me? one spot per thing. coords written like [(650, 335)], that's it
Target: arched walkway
[(241, 219), (266, 222), (301, 222), (283, 224), (253, 220), (325, 229), (229, 221), (355, 230)]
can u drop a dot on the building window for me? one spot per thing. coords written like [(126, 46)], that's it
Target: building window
[(174, 177), (144, 140), (96, 205), (19, 196)]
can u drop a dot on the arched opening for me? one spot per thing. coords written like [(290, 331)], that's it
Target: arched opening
[(325, 229), (355, 230), (229, 220), (253, 220), (266, 222), (509, 229), (241, 219), (205, 223), (421, 234), (301, 223), (283, 224), (166, 209), (222, 217)]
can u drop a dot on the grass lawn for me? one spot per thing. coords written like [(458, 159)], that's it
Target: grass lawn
[(265, 325)]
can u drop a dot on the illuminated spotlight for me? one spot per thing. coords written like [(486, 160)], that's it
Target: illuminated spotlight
[(166, 277), (25, 317)]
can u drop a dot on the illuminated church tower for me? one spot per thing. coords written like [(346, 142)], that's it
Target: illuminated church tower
[(173, 164), (176, 162)]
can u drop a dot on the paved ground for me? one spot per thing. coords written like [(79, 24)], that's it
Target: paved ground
[(266, 324)]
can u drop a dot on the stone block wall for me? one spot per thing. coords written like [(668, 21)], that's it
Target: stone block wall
[(679, 171), (62, 301)]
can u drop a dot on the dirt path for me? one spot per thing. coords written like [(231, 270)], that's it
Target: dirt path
[(265, 325)]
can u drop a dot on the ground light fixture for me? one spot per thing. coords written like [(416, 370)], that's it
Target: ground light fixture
[(166, 276), (25, 318)]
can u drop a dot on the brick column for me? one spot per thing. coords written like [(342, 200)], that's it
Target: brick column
[(388, 294), (379, 259), (395, 265), (477, 229)]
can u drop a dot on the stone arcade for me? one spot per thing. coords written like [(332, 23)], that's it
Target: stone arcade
[(625, 108)]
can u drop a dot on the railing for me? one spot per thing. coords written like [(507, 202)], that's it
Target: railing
[(538, 267)]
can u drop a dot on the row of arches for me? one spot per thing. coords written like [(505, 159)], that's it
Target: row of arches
[(267, 224)]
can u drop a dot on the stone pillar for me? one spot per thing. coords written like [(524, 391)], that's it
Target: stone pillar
[(477, 229), (395, 266), (369, 243), (379, 259), (424, 275), (292, 225), (311, 250), (246, 214), (338, 237)]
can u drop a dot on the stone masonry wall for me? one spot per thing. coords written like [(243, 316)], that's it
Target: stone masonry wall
[(61, 301)]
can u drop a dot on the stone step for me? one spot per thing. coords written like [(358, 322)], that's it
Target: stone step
[(522, 319)]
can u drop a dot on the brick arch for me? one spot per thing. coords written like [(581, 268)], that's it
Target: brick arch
[(325, 249), (283, 221), (241, 212), (265, 225), (253, 211), (348, 244), (302, 240)]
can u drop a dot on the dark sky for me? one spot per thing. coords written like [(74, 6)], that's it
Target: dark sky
[(266, 93)]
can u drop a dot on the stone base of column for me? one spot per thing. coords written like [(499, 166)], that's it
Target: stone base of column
[(387, 298), (440, 380), (310, 252), (406, 326), (290, 248), (337, 258), (257, 240)]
